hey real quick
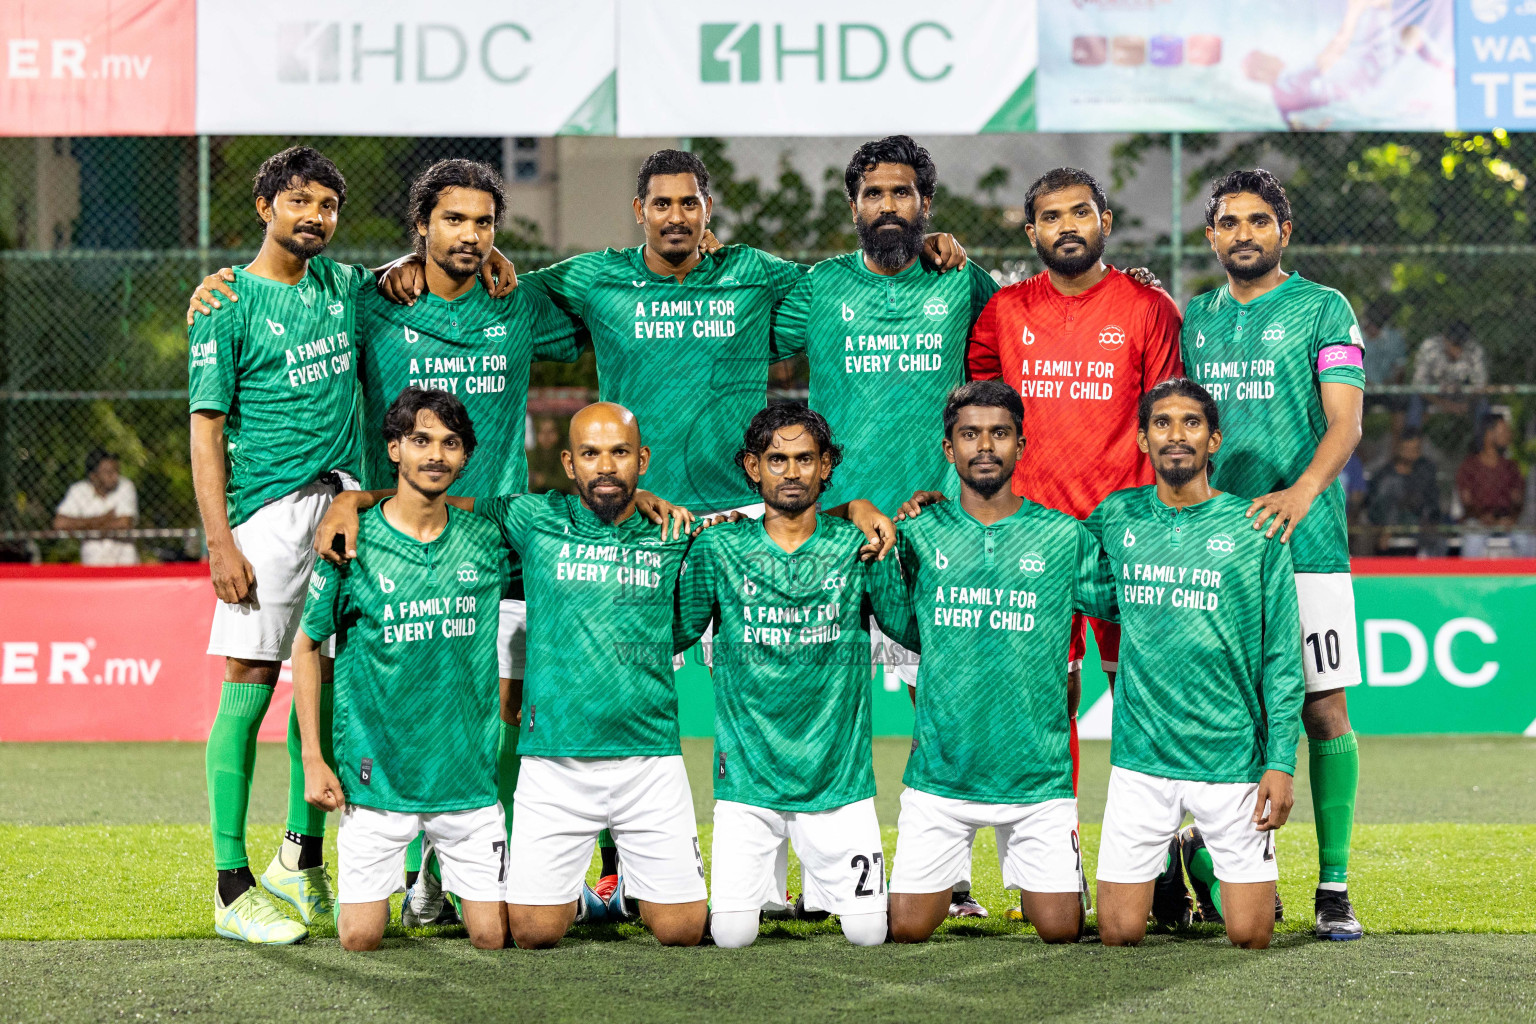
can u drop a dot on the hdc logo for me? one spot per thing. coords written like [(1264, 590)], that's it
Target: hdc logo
[(733, 51)]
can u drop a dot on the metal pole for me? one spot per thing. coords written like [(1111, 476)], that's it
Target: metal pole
[(202, 205), (1175, 228)]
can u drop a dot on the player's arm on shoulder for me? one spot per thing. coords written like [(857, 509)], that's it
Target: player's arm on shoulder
[(913, 506), (791, 321), (1343, 407), (336, 536), (879, 532), (943, 251), (206, 296), (665, 514)]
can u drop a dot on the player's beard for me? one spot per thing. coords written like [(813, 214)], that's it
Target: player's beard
[(445, 264), (303, 248), (791, 506), (1267, 261), (606, 506), (1177, 476), (892, 250), (1071, 266), (987, 488)]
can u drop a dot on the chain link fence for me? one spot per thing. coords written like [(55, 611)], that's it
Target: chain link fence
[(103, 239)]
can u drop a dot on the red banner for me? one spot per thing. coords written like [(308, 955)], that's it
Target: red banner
[(98, 67), (112, 655)]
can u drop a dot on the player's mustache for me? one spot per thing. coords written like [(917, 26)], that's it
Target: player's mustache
[(677, 229), (309, 229), (985, 460), (1170, 449), (1247, 247), (435, 467), (892, 219), (598, 481), (1064, 239)]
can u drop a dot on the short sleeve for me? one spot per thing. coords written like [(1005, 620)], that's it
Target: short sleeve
[(1338, 349), (322, 606), (1095, 579), (213, 352), (556, 334), (696, 604), (982, 289), (567, 283), (783, 275), (127, 499), (982, 359), (513, 514), (791, 321), (1161, 358), (72, 503), (890, 602)]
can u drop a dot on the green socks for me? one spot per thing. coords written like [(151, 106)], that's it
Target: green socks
[(1335, 772), (605, 840), (507, 764), (1201, 869), (231, 757), (304, 819)]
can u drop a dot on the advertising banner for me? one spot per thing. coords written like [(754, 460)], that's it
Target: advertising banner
[(97, 67), (1496, 64), (1256, 65), (805, 67), (400, 67)]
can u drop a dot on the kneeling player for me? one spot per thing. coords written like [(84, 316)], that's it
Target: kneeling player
[(995, 580), (790, 602), (416, 703), (1208, 701)]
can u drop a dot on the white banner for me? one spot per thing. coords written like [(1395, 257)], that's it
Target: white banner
[(402, 67), (808, 67)]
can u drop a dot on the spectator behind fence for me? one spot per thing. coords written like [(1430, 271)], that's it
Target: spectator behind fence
[(1452, 359), (1489, 482), (1404, 492), (104, 500), (545, 470)]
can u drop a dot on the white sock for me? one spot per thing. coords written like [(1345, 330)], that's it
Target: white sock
[(734, 929), (1333, 886), (288, 854), (865, 929)]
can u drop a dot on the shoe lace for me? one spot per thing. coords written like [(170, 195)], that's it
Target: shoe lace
[(1334, 904), (259, 909)]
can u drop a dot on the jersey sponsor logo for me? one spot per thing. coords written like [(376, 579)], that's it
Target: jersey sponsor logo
[(336, 307), (1274, 332), (834, 581), (1032, 564), (277, 328), (1130, 538), (935, 308), (1199, 339), (496, 331), (638, 284), (748, 588), (467, 573), (1221, 544), (848, 313), (1028, 337), (939, 561), (1112, 338), (386, 584), (411, 337)]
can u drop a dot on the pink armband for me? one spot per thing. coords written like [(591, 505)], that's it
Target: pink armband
[(1335, 356)]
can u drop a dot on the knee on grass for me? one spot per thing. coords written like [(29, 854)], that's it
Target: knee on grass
[(1256, 936), (865, 929), (734, 929), (1117, 934), (359, 938)]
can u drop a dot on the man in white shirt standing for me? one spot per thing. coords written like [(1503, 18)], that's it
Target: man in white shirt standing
[(104, 500)]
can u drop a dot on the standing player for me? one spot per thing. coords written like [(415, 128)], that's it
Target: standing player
[(884, 334), (994, 580), (414, 617), (459, 339), (273, 388), (1209, 690), (1284, 357), (1081, 342), (789, 600)]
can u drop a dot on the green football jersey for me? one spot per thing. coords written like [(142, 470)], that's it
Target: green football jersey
[(417, 712), (1210, 686), (791, 659), (883, 353), (1264, 362), (689, 359), (478, 349), (993, 611), (598, 681), (280, 364)]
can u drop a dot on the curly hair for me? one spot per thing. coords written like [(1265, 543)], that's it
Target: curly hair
[(785, 414)]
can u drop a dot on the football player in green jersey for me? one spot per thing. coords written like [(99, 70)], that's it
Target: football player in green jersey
[(884, 333), (1208, 697), (415, 709), (273, 390), (994, 581), (1285, 359), (789, 599)]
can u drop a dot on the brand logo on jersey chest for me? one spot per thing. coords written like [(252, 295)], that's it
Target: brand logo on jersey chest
[(834, 581), (935, 308), (411, 337), (1028, 337), (1032, 564), (939, 561), (1199, 339), (497, 331), (467, 574), (336, 308), (277, 328), (1112, 338), (848, 313), (1274, 332), (1221, 544), (1130, 538), (748, 588)]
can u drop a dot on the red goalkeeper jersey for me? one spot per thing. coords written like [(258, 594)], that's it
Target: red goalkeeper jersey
[(1081, 363)]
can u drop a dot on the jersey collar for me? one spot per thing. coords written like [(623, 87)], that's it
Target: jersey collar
[(708, 267), (1226, 293), (1019, 515), (1201, 508), (587, 519), (907, 273), (773, 546)]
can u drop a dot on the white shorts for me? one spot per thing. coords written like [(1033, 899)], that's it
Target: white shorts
[(1143, 813), (562, 803), (842, 866), (898, 663), (512, 639), (278, 542), (370, 849), (1330, 651), (1038, 847)]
